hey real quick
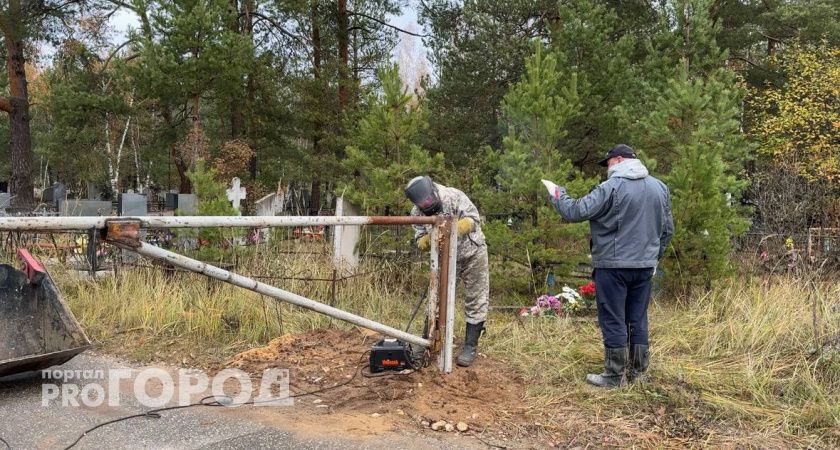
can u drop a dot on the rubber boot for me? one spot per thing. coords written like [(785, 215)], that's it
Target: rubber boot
[(639, 361), (615, 360), (470, 348)]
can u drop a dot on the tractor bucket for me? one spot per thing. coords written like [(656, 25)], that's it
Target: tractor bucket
[(37, 330)]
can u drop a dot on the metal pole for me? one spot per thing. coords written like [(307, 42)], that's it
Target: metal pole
[(244, 282), (434, 281), (85, 223), (446, 297), (332, 290), (92, 245), (450, 297)]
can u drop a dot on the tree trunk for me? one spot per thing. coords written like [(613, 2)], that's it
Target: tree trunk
[(20, 143), (248, 29), (343, 68), (195, 111), (185, 186), (237, 121), (237, 118), (356, 75), (316, 40), (315, 197)]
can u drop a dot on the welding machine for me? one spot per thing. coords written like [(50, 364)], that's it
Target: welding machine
[(390, 354)]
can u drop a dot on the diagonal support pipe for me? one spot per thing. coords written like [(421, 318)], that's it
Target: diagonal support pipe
[(217, 273)]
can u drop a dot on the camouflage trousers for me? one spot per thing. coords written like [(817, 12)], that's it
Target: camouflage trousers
[(474, 272)]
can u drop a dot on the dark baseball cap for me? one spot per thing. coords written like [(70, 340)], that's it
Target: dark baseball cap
[(619, 150)]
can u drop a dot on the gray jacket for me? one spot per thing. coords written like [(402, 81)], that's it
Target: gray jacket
[(629, 217)]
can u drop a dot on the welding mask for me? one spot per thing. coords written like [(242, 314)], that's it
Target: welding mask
[(423, 193)]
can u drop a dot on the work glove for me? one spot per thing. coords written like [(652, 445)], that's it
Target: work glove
[(465, 226), (424, 243)]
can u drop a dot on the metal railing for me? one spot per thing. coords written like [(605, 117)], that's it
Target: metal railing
[(124, 232)]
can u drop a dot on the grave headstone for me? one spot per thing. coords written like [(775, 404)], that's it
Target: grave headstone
[(187, 204), (76, 207), (171, 201), (130, 204), (47, 195), (269, 205), (60, 193), (93, 191), (54, 194), (346, 239), (5, 200), (236, 193)]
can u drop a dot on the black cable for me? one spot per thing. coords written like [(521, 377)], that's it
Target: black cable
[(155, 413), (8, 446), (152, 414), (387, 374), (417, 308)]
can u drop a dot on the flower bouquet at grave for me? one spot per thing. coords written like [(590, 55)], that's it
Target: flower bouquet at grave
[(568, 301), (587, 294)]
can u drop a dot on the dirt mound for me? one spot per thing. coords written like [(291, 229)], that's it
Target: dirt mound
[(484, 395)]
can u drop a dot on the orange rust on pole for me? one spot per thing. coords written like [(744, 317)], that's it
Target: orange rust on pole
[(123, 231), (403, 220), (444, 238)]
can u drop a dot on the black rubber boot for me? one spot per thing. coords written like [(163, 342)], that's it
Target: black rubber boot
[(639, 361), (470, 348), (615, 360)]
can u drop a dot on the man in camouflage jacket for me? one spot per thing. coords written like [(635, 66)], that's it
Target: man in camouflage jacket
[(430, 199)]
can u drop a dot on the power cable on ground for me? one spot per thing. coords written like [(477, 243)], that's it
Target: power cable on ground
[(155, 413)]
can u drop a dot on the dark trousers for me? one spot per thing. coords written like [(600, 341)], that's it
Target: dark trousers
[(622, 296)]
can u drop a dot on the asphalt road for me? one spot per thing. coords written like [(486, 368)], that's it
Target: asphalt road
[(26, 423)]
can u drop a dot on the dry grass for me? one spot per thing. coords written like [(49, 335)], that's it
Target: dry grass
[(149, 306), (738, 366)]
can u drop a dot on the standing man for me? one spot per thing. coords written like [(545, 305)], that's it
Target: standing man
[(631, 225), (431, 199)]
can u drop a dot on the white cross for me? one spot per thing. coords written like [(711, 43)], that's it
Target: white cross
[(236, 193)]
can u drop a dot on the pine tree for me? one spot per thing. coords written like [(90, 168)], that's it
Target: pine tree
[(522, 224), (84, 106), (188, 51), (692, 135), (212, 201), (385, 153), (477, 47), (606, 50)]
